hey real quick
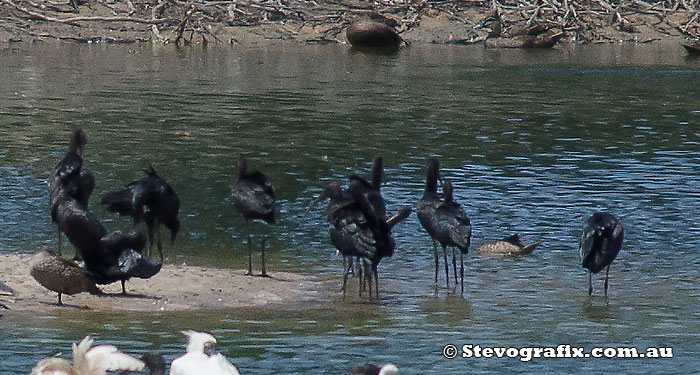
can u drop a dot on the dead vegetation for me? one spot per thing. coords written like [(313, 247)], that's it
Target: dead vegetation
[(239, 21)]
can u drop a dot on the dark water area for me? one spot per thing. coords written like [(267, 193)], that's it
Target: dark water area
[(533, 142)]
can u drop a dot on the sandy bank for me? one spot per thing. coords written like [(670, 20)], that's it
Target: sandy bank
[(174, 288)]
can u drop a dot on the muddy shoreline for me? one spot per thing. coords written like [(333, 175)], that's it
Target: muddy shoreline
[(177, 287), (255, 22)]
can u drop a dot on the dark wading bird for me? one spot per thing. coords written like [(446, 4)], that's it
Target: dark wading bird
[(339, 208), (60, 275), (600, 243), (445, 221), (254, 197), (360, 231), (370, 369), (343, 214), (149, 200), (108, 257), (70, 178)]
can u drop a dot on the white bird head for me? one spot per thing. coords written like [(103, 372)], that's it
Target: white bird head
[(389, 369), (199, 342), (53, 366)]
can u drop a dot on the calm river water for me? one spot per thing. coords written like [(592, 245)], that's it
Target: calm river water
[(534, 142)]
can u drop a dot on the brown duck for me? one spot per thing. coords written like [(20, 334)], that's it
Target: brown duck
[(692, 48), (511, 245), (378, 31), (60, 275), (534, 36)]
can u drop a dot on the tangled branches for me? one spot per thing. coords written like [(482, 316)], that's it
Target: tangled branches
[(228, 21)]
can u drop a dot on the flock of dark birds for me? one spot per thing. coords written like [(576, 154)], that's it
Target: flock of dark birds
[(359, 226)]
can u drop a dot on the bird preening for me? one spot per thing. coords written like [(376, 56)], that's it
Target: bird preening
[(359, 226), (150, 200), (254, 197), (107, 256), (601, 241), (70, 179), (358, 223), (89, 360), (202, 357), (445, 221)]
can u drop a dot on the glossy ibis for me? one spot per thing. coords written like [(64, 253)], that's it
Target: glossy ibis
[(600, 243), (89, 360), (122, 250), (371, 232), (355, 228), (150, 200), (108, 257), (340, 206), (453, 229), (70, 178), (202, 357), (426, 210), (344, 214), (254, 197)]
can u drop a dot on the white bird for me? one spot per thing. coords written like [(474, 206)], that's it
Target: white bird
[(201, 357), (370, 369), (88, 360)]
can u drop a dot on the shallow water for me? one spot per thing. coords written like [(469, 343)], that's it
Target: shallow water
[(533, 142)]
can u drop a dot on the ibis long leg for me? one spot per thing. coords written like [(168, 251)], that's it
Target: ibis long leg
[(250, 256), (447, 266), (607, 271), (437, 261), (454, 265)]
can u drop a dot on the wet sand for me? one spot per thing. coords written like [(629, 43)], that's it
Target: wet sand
[(177, 287)]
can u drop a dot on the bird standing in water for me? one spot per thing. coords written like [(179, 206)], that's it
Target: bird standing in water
[(254, 197), (444, 220), (358, 224), (373, 239), (151, 200), (454, 229), (601, 241), (425, 209)]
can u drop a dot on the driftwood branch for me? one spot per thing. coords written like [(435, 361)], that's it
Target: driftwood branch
[(75, 20), (178, 20)]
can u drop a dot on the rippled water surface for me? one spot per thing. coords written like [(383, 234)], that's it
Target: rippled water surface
[(534, 142)]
